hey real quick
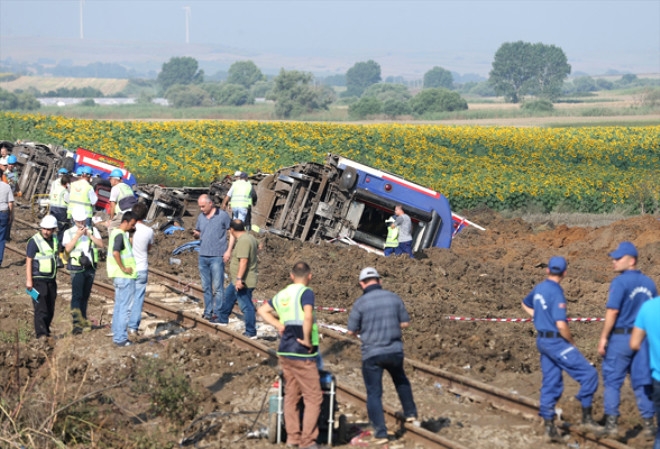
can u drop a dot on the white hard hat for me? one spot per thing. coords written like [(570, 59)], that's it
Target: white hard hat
[(238, 173), (390, 220), (79, 213), (48, 222), (3, 161)]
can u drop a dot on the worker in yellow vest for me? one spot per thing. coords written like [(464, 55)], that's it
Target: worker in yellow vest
[(82, 194), (59, 201), (241, 197), (40, 274), (123, 271), (392, 240)]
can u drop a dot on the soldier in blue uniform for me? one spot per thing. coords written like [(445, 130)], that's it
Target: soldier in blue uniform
[(547, 305), (628, 291)]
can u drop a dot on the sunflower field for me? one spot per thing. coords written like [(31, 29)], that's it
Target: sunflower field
[(592, 169)]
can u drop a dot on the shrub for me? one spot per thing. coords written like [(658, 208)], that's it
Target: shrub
[(393, 108), (540, 105), (187, 96), (437, 100), (88, 102), (364, 107)]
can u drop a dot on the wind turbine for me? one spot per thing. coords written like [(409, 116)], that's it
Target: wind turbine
[(187, 10), (82, 2)]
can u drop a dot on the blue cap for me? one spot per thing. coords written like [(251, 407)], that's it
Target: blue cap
[(557, 265), (624, 249), (79, 171), (63, 171), (86, 171)]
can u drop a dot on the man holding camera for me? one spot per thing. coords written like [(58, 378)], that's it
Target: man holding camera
[(81, 244)]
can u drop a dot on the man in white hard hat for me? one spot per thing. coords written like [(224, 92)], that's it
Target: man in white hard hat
[(241, 197), (40, 274), (81, 244)]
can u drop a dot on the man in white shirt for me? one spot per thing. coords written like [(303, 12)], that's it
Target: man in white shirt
[(142, 241)]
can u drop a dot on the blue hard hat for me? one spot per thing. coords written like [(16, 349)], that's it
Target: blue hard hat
[(62, 171), (116, 173), (11, 159), (79, 171), (86, 171)]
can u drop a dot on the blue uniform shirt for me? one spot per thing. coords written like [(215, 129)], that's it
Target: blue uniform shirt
[(647, 320), (628, 291), (547, 300)]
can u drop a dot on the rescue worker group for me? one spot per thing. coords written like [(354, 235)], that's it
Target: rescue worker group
[(629, 341)]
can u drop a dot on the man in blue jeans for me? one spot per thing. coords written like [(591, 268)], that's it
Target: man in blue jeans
[(646, 325), (378, 317), (143, 238), (214, 252), (243, 270)]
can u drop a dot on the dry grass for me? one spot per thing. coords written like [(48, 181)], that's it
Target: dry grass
[(108, 86)]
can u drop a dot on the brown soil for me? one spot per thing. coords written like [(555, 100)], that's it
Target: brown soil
[(484, 274)]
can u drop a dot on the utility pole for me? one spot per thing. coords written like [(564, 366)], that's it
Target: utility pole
[(187, 10), (82, 2)]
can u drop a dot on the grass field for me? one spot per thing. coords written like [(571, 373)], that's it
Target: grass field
[(109, 86)]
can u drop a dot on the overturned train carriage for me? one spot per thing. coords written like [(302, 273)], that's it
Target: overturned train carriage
[(348, 201)]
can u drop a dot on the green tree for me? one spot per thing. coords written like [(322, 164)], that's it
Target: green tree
[(384, 91), (393, 108), (260, 89), (294, 94), (182, 96), (245, 73), (521, 68), (437, 100), (364, 107), (233, 95), (361, 76), (584, 84), (180, 70), (438, 77), (24, 101)]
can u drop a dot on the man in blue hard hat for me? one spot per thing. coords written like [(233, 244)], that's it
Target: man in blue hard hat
[(122, 199), (82, 194), (12, 175), (628, 291)]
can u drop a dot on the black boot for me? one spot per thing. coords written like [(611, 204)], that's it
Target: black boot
[(551, 431), (588, 423), (649, 428), (611, 426)]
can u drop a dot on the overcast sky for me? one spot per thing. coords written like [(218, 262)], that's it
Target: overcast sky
[(622, 35)]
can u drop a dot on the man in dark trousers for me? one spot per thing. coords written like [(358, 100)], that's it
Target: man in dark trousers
[(547, 305), (41, 274), (297, 352), (378, 317)]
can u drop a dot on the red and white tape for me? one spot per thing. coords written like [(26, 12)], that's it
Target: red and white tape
[(324, 309), (517, 320)]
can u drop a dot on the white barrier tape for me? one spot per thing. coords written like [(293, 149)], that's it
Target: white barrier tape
[(517, 320), (325, 309), (333, 327)]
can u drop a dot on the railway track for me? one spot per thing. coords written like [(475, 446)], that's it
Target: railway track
[(456, 384)]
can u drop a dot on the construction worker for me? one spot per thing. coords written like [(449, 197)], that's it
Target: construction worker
[(297, 353), (11, 175), (242, 197), (40, 274), (122, 199), (123, 271), (646, 325), (82, 194), (547, 305), (628, 291), (392, 242), (59, 201), (81, 244)]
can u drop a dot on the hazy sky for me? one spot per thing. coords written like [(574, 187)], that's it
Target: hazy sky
[(595, 35)]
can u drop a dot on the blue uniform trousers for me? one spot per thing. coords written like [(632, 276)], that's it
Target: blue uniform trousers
[(558, 355), (618, 362)]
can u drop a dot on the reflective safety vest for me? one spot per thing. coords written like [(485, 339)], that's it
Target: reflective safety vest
[(74, 264), (126, 198), (289, 308), (79, 196), (392, 237), (126, 257), (46, 267), (57, 191), (240, 195)]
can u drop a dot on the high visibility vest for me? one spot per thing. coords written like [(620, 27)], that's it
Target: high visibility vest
[(79, 196), (125, 191), (392, 237), (45, 257), (57, 191), (126, 257), (74, 264), (289, 308), (240, 195)]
